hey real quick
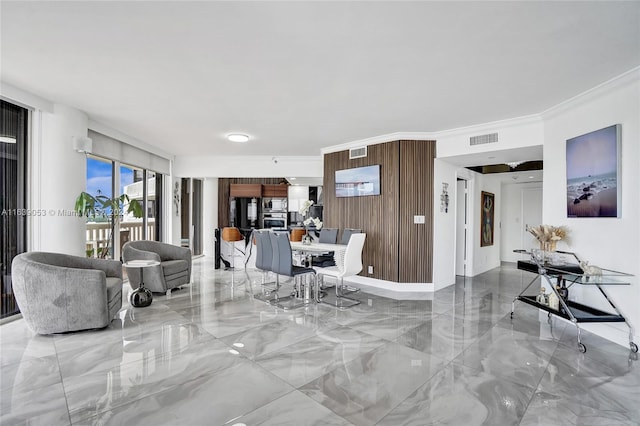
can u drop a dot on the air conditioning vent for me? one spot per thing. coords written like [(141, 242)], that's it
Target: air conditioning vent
[(357, 152), (482, 139)]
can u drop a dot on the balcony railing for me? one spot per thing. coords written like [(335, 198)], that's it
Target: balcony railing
[(97, 234)]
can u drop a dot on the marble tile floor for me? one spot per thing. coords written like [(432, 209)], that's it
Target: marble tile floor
[(211, 354)]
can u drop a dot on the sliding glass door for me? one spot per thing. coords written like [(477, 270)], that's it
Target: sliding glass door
[(191, 214), (112, 179), (100, 177), (13, 177)]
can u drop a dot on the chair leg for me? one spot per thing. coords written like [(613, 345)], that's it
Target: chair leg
[(342, 301), (319, 288), (265, 291), (297, 302), (230, 268), (276, 299)]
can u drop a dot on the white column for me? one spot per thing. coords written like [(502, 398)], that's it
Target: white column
[(60, 177)]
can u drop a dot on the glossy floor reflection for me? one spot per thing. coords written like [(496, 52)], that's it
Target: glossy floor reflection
[(211, 354)]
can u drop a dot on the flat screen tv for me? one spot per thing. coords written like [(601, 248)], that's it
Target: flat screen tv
[(358, 182)]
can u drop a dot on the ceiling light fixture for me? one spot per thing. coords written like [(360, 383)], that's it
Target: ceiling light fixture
[(238, 137), (514, 164)]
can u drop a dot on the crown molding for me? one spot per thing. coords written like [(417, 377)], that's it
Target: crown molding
[(476, 128), (378, 140), (629, 77), (622, 80), (490, 126)]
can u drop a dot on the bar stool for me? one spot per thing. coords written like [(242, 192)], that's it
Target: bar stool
[(297, 233), (231, 235)]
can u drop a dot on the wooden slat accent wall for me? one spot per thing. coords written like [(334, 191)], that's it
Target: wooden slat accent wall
[(224, 186), (416, 198), (397, 251), (375, 215)]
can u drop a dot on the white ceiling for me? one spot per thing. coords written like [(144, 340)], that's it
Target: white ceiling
[(299, 76)]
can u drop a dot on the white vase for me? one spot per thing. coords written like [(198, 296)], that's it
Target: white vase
[(307, 239), (554, 302)]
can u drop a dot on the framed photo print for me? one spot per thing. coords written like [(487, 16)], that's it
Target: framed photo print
[(593, 174), (487, 209)]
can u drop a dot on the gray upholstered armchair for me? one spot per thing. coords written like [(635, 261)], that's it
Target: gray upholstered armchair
[(57, 292), (174, 269)]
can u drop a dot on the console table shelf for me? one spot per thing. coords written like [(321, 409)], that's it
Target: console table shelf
[(570, 310), (581, 313)]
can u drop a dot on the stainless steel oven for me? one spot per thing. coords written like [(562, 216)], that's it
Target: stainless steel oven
[(274, 220)]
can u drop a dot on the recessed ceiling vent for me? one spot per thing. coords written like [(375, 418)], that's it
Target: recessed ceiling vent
[(357, 152), (482, 139)]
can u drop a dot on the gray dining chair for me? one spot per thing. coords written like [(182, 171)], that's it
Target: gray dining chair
[(283, 265), (328, 235), (264, 261), (346, 234)]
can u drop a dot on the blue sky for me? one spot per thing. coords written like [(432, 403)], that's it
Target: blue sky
[(99, 177), (592, 154)]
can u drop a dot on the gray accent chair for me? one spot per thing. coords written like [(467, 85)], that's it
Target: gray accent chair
[(57, 293), (174, 269)]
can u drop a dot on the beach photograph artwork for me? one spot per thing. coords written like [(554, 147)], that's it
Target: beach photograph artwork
[(358, 182), (593, 174)]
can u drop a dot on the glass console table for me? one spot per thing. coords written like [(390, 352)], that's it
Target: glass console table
[(573, 274)]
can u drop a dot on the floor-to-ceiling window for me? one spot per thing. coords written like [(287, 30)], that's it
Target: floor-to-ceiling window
[(132, 184), (13, 168), (138, 184), (100, 177)]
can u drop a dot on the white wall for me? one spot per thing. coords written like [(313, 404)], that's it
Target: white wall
[(57, 176), (210, 214), (443, 222), (517, 133), (488, 257), (612, 243), (512, 216)]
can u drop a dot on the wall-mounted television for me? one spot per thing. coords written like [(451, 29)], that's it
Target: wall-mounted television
[(358, 182)]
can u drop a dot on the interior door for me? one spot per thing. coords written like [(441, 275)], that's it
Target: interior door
[(461, 227), (531, 215)]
